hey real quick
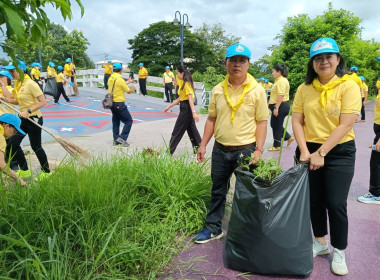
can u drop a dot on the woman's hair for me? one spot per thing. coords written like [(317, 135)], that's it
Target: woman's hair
[(281, 68), (340, 71), (59, 71), (186, 76)]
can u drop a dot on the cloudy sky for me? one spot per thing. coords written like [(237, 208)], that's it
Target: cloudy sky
[(108, 24)]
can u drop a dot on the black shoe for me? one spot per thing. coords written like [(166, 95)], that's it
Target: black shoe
[(166, 101)]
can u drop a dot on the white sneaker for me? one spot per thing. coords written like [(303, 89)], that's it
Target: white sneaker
[(369, 198), (338, 264), (319, 249)]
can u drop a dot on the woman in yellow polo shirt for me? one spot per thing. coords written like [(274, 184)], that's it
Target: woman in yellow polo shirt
[(279, 105), (28, 95), (325, 109), (60, 78), (187, 115)]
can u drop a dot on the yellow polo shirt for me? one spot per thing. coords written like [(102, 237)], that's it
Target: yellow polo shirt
[(59, 78), (357, 79), (378, 86), (51, 72), (319, 124), (376, 118), (36, 74), (119, 89), (3, 108), (107, 68), (280, 87), (67, 69), (243, 130), (143, 71), (28, 94), (3, 142), (268, 85), (365, 89), (185, 92), (168, 77)]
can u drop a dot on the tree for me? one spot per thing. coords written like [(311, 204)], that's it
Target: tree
[(217, 39), (301, 31), (159, 45), (57, 47), (26, 19)]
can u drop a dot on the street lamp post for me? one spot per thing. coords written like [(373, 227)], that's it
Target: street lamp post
[(181, 22)]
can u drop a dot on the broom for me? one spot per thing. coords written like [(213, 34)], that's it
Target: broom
[(75, 87), (74, 150)]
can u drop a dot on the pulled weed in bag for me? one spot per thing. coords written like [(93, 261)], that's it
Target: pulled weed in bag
[(267, 169)]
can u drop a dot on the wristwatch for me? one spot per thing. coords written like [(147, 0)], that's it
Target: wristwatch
[(322, 153), (29, 111), (194, 111)]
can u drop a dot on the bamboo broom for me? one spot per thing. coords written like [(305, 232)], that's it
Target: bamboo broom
[(74, 150)]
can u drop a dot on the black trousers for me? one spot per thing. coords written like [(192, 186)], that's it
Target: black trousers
[(185, 122), (277, 123), (169, 91), (14, 151), (60, 90), (363, 110), (142, 83), (223, 164), (374, 180), (106, 77), (329, 187)]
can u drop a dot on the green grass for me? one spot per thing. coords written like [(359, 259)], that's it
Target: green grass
[(116, 218), (157, 94)]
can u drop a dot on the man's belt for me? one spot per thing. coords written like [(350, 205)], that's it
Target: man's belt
[(233, 148)]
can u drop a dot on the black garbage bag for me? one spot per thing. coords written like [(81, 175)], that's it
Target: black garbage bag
[(51, 87), (269, 230)]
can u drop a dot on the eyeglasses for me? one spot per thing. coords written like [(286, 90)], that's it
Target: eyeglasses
[(321, 58), (235, 60)]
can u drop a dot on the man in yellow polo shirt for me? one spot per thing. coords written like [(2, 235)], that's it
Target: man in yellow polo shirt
[(107, 73), (143, 74), (237, 119), (118, 86), (364, 92), (9, 124), (69, 72), (167, 83), (35, 74)]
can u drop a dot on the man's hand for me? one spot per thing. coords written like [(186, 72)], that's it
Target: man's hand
[(275, 112), (201, 153)]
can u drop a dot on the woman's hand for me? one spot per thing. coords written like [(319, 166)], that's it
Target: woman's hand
[(305, 157), (166, 109), (316, 161), (195, 117), (275, 112), (24, 115)]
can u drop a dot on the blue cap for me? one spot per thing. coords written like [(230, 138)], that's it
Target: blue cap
[(261, 79), (109, 61), (266, 80), (141, 64), (361, 77), (238, 49), (12, 120), (59, 67), (6, 74), (117, 66), (378, 58), (21, 65), (34, 64), (324, 45), (52, 65), (38, 65), (167, 67), (68, 60), (354, 68)]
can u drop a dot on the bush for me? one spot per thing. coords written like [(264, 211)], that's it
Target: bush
[(117, 218)]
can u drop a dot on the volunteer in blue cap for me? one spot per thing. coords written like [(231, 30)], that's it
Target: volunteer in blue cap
[(279, 106), (28, 95), (354, 76), (118, 87), (5, 90), (9, 125), (107, 73), (60, 78), (187, 114), (143, 74), (237, 118), (167, 83), (51, 73), (69, 71), (35, 74), (364, 91), (325, 109)]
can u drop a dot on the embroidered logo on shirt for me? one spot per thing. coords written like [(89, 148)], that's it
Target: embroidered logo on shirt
[(239, 48), (322, 45)]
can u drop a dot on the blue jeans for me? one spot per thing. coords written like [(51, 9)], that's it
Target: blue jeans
[(223, 165), (120, 113)]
